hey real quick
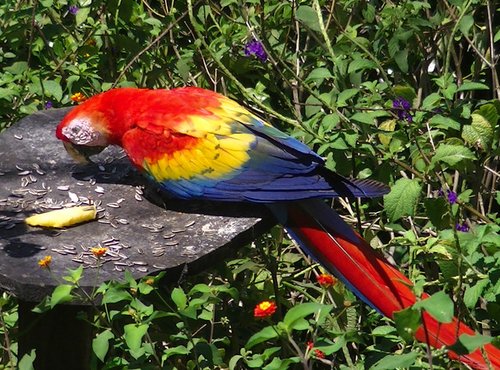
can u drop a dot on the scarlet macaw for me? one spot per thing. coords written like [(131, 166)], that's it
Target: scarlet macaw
[(197, 144)]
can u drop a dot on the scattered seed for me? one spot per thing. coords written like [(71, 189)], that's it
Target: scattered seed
[(139, 190), (73, 197), (170, 244), (138, 197), (168, 236), (139, 263), (33, 178), (118, 263), (140, 251), (79, 260), (113, 205), (92, 181), (60, 251), (99, 190), (190, 223), (122, 221), (19, 167), (18, 137), (160, 267), (117, 268), (176, 231), (24, 173), (63, 187), (104, 221), (142, 269)]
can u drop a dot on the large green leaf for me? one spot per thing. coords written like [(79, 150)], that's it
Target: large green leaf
[(451, 154), (308, 16), (100, 344), (294, 318), (403, 198), (439, 306), (395, 361), (480, 132)]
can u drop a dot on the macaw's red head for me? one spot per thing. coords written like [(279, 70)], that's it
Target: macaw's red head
[(85, 129)]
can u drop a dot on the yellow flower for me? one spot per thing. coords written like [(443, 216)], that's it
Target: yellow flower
[(45, 262), (99, 251), (78, 97)]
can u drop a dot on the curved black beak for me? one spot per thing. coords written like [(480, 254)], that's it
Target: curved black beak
[(82, 153)]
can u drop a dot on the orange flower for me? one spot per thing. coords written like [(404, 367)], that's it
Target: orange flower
[(326, 280), (78, 97), (99, 251), (45, 262), (264, 309)]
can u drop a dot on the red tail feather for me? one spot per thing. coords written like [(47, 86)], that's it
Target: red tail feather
[(377, 282)]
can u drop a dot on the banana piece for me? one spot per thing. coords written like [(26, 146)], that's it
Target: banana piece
[(63, 217)]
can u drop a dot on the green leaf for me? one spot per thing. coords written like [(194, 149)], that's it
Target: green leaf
[(115, 294), (406, 92), (437, 211), (481, 131), (100, 344), (26, 363), (440, 121), (308, 16), (431, 101), (395, 361), (53, 89), (473, 292), (294, 318), (74, 275), (469, 85), (318, 75), (402, 199), (469, 343), (82, 15), (17, 68), (133, 334), (451, 154), (179, 298), (401, 58), (466, 23), (345, 95), (438, 305), (61, 294), (407, 323), (269, 332), (363, 117), (172, 351), (361, 64)]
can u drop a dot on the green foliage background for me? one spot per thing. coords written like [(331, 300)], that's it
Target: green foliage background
[(332, 73)]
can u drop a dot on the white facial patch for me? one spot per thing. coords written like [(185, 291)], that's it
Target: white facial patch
[(80, 132)]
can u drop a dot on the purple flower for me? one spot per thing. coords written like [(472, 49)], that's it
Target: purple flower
[(48, 104), (402, 107), (73, 9), (254, 47), (452, 197), (462, 227)]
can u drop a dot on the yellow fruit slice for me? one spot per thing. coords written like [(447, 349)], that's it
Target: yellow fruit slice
[(63, 217)]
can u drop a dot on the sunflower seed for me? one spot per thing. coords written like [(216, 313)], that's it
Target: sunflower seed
[(118, 263), (140, 251), (170, 244), (168, 236), (138, 197), (92, 181), (113, 205), (99, 190), (60, 251), (73, 197), (19, 168), (160, 267), (120, 269), (24, 173), (122, 221), (190, 223), (142, 269), (63, 187), (104, 221), (176, 231), (139, 263), (139, 190), (79, 260), (18, 137)]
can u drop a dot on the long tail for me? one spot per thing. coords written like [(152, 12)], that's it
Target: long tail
[(328, 239)]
